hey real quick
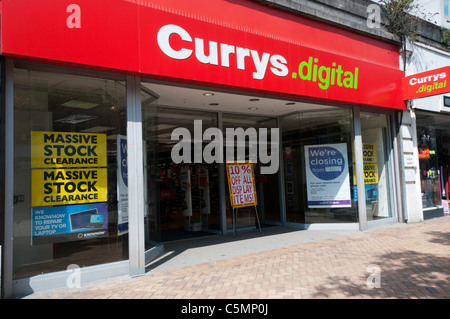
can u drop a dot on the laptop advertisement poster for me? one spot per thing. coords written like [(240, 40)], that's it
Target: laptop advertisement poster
[(69, 223)]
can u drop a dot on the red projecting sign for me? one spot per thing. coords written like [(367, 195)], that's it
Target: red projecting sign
[(426, 83)]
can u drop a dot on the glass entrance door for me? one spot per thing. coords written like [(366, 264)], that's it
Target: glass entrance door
[(267, 186), (183, 195)]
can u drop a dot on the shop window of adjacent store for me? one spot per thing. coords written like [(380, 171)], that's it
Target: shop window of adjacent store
[(433, 139), (318, 170), (378, 177), (67, 131)]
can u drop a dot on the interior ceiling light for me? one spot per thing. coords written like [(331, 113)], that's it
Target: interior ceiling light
[(208, 94), (77, 104), (76, 118), (253, 108), (98, 129)]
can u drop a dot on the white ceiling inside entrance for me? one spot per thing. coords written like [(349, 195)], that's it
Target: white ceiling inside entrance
[(183, 97)]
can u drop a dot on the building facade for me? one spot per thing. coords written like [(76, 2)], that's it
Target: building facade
[(424, 129), (119, 119)]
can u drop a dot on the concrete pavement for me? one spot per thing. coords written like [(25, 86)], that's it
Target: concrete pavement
[(397, 261)]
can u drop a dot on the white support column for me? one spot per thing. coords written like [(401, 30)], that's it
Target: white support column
[(135, 178), (411, 168)]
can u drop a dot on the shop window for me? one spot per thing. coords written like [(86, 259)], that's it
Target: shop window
[(66, 143), (318, 169)]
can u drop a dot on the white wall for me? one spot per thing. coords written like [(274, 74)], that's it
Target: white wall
[(433, 11)]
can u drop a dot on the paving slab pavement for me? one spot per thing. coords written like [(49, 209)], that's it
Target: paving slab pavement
[(400, 261)]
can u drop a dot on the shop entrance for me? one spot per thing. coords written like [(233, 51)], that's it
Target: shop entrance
[(188, 193), (191, 196)]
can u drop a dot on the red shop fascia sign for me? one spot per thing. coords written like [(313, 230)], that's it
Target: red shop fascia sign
[(239, 45)]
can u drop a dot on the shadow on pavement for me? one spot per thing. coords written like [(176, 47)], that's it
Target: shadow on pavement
[(404, 274)]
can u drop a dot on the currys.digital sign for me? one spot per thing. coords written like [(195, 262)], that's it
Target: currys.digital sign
[(426, 83), (240, 45)]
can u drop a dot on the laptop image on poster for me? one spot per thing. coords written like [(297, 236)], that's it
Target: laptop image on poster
[(82, 219), (97, 221)]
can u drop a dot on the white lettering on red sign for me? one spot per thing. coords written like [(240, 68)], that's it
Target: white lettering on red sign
[(260, 62), (429, 78)]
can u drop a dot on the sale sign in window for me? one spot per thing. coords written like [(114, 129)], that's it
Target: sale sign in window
[(68, 186), (62, 149), (68, 168), (241, 184)]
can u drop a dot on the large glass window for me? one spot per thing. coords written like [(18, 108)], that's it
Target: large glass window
[(67, 207), (318, 170), (378, 178)]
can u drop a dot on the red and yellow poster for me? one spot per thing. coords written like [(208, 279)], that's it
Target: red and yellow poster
[(241, 184)]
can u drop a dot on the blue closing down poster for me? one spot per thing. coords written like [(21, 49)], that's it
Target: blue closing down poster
[(327, 176), (69, 223)]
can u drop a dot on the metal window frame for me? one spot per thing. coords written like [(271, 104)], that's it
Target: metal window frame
[(7, 254), (136, 235)]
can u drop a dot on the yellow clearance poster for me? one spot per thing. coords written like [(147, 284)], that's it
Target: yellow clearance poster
[(67, 149), (370, 164), (68, 186)]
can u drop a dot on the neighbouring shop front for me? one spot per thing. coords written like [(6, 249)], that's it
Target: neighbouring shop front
[(433, 133), (433, 140), (118, 140), (430, 108)]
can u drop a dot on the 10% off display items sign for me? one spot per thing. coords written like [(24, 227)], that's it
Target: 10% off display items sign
[(241, 184)]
